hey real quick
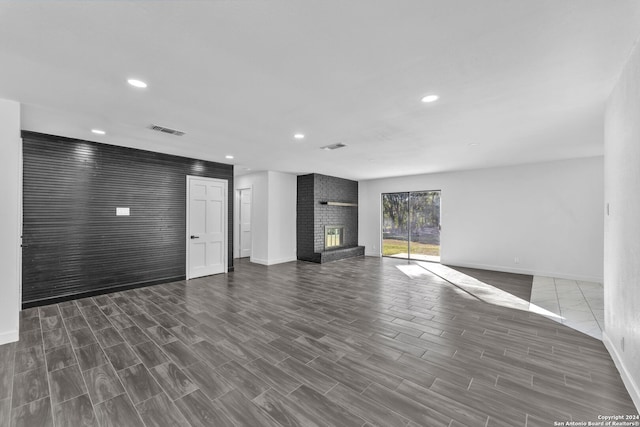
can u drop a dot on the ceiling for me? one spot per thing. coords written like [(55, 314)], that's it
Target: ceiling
[(519, 81)]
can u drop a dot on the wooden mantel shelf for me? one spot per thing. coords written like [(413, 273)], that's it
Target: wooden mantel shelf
[(338, 204)]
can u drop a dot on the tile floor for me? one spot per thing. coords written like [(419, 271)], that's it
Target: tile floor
[(577, 304)]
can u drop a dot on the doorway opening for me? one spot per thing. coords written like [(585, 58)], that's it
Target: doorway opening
[(411, 225), (244, 223)]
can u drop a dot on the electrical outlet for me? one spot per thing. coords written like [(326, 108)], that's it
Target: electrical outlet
[(516, 260)]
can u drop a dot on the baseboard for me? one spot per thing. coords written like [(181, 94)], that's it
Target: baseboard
[(100, 291), (272, 261), (627, 379), (282, 260), (9, 336), (527, 271)]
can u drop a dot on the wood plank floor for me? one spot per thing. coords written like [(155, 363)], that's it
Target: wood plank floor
[(351, 343), (516, 284)]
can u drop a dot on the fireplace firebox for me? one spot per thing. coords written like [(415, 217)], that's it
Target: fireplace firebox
[(333, 236)]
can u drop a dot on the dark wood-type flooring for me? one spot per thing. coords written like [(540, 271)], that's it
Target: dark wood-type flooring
[(518, 285), (349, 343)]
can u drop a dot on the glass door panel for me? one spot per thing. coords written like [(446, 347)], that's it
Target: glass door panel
[(395, 225), (424, 225), (411, 225)]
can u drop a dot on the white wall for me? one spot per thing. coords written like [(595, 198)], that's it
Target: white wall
[(282, 217), (273, 216), (549, 215), (622, 225), (10, 219)]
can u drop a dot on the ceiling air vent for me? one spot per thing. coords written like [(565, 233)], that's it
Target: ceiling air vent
[(166, 130), (333, 146)]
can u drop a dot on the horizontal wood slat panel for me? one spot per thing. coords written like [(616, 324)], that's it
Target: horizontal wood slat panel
[(73, 242)]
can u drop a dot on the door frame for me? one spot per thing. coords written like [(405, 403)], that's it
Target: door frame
[(381, 222), (225, 214), (238, 218)]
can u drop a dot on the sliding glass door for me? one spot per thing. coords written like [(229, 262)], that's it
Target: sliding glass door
[(395, 225), (411, 225)]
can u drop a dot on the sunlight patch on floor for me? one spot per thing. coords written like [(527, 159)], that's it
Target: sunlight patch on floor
[(416, 257), (485, 292), (413, 271)]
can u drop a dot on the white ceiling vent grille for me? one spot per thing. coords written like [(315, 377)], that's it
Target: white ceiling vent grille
[(333, 146), (166, 130)]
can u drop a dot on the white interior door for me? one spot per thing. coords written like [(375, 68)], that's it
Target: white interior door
[(206, 226), (245, 223)]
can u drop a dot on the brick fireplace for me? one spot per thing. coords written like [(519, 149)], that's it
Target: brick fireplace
[(327, 212)]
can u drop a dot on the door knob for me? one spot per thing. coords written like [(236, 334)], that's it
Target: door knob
[(195, 237)]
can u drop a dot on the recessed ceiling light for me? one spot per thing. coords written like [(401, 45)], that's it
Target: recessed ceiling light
[(137, 83), (299, 136), (228, 156), (98, 131), (472, 144), (430, 98)]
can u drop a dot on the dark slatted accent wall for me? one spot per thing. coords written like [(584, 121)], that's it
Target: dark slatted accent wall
[(74, 244)]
